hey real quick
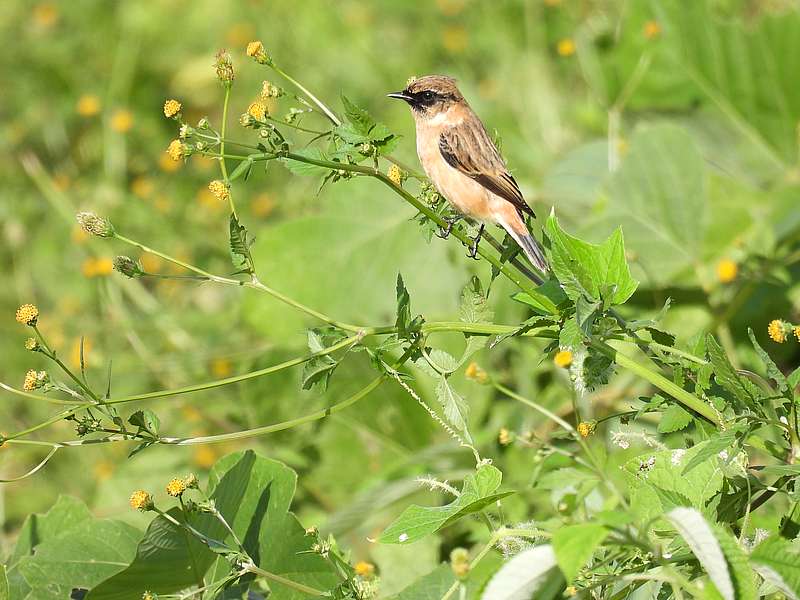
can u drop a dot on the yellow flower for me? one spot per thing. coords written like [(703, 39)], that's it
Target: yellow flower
[(459, 562), (122, 120), (88, 105), (566, 47), (504, 437), (364, 569), (475, 373), (176, 487), (395, 174), (148, 595), (257, 110), (254, 49), (177, 150), (586, 428), (32, 345), (652, 30), (141, 500), (797, 332), (27, 314), (171, 108), (142, 187), (97, 267), (571, 591), (103, 470), (777, 331), (220, 190), (727, 270), (34, 380), (563, 358)]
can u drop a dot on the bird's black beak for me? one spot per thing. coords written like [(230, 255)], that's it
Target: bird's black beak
[(401, 96)]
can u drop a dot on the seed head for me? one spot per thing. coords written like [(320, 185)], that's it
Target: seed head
[(176, 487), (364, 569), (270, 91), (563, 359), (777, 331), (727, 270), (27, 314), (191, 482), (95, 225), (32, 345), (177, 150), (224, 66), (34, 380), (219, 190), (257, 110), (127, 266), (586, 428), (141, 500), (171, 108)]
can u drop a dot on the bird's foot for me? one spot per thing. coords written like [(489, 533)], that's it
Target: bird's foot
[(444, 232), (473, 247)]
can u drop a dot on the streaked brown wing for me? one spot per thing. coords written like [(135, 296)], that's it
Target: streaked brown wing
[(468, 148)]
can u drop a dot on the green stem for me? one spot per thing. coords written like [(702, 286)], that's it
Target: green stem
[(52, 356), (222, 166), (325, 110), (300, 587), (537, 407)]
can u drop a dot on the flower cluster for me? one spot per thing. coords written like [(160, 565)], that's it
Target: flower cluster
[(396, 175), (178, 150), (476, 374), (27, 314), (586, 428), (142, 500), (35, 380), (172, 108), (780, 331), (219, 190), (256, 51)]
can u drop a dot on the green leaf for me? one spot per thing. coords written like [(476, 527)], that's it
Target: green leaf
[(303, 168), (146, 420), (5, 593), (240, 246), (778, 561), (404, 323), (474, 306), (698, 535), (454, 406), (574, 546), (673, 419), (416, 522), (530, 574), (80, 557), (741, 572), (712, 447), (254, 495), (318, 370), (432, 586), (599, 272), (359, 118), (727, 377), (773, 371)]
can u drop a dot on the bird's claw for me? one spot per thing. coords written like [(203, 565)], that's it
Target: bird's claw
[(473, 247), (444, 232)]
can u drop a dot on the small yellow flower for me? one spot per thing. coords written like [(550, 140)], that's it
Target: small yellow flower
[(257, 110), (475, 373), (364, 569), (32, 345), (34, 380), (177, 150), (176, 487), (586, 428), (777, 331), (254, 49), (727, 270), (204, 457), (395, 174), (88, 105), (122, 120), (652, 30), (171, 108), (566, 47), (27, 314), (563, 359), (148, 595), (459, 562), (797, 332), (142, 187), (220, 190), (141, 500), (504, 437)]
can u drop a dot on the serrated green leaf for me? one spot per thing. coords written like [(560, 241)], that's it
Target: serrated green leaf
[(773, 371), (303, 168), (712, 447), (432, 586), (574, 546), (778, 561), (146, 420), (673, 419), (240, 246), (474, 307), (478, 491), (693, 527), (454, 407), (741, 573), (359, 118), (727, 377)]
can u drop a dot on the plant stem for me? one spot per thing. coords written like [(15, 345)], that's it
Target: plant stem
[(325, 110), (300, 587), (537, 407), (224, 125), (52, 356)]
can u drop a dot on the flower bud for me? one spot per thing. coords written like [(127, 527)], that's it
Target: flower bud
[(224, 67), (95, 225), (127, 266)]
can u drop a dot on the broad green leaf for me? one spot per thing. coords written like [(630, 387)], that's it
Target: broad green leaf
[(5, 594), (79, 558), (240, 243), (654, 479), (432, 586), (454, 406), (699, 536), (303, 168), (599, 272), (778, 561), (773, 371), (479, 490), (710, 448), (727, 377), (741, 572), (530, 574), (474, 306), (674, 418), (574, 546)]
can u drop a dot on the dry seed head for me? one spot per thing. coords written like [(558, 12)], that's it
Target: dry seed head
[(777, 331), (191, 481), (95, 225), (270, 91), (127, 266), (141, 500), (176, 487), (171, 108), (27, 314), (224, 67)]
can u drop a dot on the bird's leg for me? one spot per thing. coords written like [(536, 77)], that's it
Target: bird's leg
[(444, 232), (473, 247)]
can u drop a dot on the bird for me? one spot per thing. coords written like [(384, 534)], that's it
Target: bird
[(464, 164)]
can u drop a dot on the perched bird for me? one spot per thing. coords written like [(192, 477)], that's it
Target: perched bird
[(464, 165)]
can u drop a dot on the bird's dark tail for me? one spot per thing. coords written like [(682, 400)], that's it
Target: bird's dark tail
[(534, 251)]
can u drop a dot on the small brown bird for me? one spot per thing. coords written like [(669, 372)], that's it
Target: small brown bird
[(463, 163)]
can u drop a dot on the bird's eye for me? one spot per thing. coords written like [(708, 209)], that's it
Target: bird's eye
[(427, 96)]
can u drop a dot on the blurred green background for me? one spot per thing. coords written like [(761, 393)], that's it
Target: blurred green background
[(677, 120)]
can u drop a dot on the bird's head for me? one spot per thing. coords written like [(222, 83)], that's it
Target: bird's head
[(430, 96)]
